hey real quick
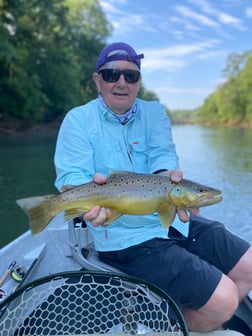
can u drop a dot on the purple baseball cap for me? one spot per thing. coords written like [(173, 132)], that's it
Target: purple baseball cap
[(118, 51)]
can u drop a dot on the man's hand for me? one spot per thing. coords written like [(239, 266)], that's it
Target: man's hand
[(176, 176), (97, 215)]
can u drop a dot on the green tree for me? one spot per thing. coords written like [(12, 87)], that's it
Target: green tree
[(145, 94), (245, 80), (47, 48), (208, 112), (232, 101), (89, 30), (235, 64)]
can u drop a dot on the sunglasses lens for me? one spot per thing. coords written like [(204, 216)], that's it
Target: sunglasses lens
[(131, 76), (113, 75), (110, 75)]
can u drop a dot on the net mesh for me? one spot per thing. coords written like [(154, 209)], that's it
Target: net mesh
[(80, 303)]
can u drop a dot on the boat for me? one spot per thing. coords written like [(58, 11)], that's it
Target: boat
[(54, 284)]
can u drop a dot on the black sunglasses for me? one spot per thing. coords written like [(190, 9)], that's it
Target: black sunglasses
[(112, 75)]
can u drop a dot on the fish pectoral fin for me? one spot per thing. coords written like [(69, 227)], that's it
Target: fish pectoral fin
[(166, 214), (72, 213), (114, 215)]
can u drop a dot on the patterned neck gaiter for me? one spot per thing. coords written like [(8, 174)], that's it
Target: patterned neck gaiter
[(123, 118)]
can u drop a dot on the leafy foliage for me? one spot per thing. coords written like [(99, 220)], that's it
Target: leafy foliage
[(147, 94), (47, 54), (231, 103)]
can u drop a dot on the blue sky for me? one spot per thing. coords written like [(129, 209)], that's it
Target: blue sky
[(185, 43)]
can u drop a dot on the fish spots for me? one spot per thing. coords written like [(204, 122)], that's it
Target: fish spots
[(54, 200)]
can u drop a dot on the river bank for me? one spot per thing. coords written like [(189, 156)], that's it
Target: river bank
[(10, 126)]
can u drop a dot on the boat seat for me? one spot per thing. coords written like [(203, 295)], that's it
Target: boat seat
[(83, 249)]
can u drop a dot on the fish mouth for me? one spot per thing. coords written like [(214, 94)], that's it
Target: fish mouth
[(209, 199)]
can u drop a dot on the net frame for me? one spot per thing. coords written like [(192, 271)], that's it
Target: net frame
[(90, 302)]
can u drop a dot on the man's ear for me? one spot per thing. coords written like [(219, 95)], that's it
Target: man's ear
[(96, 78), (139, 83)]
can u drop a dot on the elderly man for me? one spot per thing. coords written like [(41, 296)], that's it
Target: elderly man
[(204, 267)]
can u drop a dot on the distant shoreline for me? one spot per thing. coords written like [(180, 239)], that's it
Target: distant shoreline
[(11, 126)]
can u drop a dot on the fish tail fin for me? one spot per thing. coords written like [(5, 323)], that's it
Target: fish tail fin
[(39, 210)]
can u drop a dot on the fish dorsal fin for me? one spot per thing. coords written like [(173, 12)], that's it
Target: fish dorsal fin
[(166, 213), (67, 187), (121, 172)]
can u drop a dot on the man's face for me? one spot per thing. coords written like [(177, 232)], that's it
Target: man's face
[(120, 95)]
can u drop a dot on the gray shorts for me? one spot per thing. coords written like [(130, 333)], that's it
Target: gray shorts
[(188, 269)]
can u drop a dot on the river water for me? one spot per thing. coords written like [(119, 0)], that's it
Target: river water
[(216, 156)]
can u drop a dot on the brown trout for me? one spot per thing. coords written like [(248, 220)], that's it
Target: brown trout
[(123, 193)]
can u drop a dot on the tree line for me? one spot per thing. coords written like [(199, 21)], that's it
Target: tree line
[(231, 102)]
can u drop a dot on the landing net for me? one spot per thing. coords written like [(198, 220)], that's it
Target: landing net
[(84, 302)]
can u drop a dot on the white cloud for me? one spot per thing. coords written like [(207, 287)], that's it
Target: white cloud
[(162, 63), (184, 49), (113, 2), (122, 22), (199, 18), (109, 7), (184, 90), (248, 12), (176, 57), (179, 97), (221, 16), (212, 54), (186, 23)]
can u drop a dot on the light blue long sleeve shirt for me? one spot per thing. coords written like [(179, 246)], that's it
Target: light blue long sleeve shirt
[(92, 140)]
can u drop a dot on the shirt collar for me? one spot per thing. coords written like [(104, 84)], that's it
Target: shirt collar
[(123, 118)]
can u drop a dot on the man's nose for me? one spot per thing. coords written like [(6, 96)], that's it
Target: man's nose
[(121, 80)]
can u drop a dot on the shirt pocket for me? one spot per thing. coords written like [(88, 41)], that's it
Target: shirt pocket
[(107, 155), (139, 154)]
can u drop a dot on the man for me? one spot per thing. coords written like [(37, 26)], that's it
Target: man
[(204, 267)]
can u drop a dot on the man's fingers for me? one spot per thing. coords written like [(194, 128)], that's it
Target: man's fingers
[(194, 211), (183, 216), (97, 215), (92, 214), (99, 178), (176, 175)]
